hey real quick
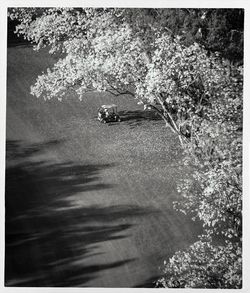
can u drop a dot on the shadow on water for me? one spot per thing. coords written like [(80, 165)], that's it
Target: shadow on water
[(18, 150), (138, 117), (48, 235)]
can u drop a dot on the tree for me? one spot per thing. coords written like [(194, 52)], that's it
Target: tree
[(213, 194), (122, 51), (159, 57)]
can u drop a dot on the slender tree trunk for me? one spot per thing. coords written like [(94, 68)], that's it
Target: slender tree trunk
[(172, 123)]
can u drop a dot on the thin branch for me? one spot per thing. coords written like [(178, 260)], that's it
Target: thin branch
[(162, 116), (126, 92), (120, 93)]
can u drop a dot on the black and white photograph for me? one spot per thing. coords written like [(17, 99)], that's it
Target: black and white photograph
[(123, 161)]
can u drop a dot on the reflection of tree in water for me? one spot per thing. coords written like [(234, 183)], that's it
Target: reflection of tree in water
[(47, 235)]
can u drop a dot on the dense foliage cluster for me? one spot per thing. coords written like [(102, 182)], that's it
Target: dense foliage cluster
[(171, 61), (218, 30), (204, 265)]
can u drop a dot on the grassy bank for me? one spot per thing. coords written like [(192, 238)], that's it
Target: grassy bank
[(87, 204)]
